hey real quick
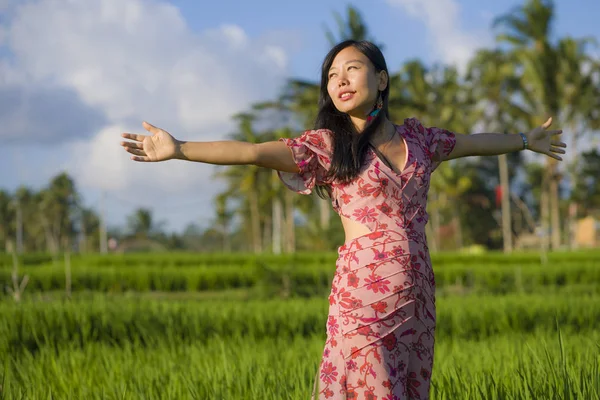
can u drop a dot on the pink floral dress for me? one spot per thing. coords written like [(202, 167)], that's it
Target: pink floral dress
[(380, 329)]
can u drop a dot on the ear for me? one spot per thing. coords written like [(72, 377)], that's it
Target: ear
[(382, 80)]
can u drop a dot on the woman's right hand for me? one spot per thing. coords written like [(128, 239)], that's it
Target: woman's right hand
[(159, 146)]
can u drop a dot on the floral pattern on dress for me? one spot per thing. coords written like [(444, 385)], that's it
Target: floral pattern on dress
[(381, 324)]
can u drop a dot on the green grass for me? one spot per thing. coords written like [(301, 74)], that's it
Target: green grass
[(512, 366), (178, 259), (301, 277), (218, 369), (33, 325), (549, 365), (185, 326)]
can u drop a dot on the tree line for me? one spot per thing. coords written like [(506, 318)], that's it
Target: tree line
[(497, 202)]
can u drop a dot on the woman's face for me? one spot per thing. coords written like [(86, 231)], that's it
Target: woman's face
[(353, 83)]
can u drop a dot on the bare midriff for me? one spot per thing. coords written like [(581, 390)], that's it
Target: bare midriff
[(353, 229)]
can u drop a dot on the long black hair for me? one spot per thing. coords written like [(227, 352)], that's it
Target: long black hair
[(349, 148)]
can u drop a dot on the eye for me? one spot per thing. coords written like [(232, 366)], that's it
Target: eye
[(332, 75), (352, 66)]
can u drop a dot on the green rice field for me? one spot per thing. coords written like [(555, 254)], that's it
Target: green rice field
[(181, 326)]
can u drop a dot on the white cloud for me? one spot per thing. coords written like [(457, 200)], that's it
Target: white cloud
[(100, 162), (121, 62), (442, 18), (132, 58)]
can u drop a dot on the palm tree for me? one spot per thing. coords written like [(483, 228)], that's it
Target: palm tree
[(434, 95), (223, 220), (527, 31), (142, 224), (554, 82), (58, 203), (31, 230), (90, 229), (410, 91), (580, 102), (246, 182), (493, 82), (283, 207), (587, 190), (354, 27)]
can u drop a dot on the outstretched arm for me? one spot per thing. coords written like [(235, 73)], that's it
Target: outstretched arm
[(161, 146), (540, 140)]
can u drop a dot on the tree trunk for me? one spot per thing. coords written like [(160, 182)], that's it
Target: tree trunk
[(255, 222), (573, 206), (226, 241), (545, 211), (506, 214), (51, 241), (525, 211), (277, 217), (290, 228), (57, 234), (18, 286), (83, 236), (554, 208), (267, 231)]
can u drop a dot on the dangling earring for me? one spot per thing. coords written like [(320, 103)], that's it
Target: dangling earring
[(379, 104), (378, 107)]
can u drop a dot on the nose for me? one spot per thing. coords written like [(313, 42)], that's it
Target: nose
[(342, 81)]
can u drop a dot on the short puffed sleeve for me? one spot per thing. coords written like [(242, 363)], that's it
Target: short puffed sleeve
[(312, 152), (439, 144)]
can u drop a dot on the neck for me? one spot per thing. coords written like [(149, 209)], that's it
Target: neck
[(381, 134), (359, 123)]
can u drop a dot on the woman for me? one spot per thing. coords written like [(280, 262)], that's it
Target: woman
[(380, 329)]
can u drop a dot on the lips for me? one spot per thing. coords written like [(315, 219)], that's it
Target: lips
[(346, 95)]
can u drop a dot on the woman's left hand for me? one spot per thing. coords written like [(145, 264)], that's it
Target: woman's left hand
[(541, 141)]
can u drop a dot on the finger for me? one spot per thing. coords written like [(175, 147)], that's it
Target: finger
[(554, 156), (556, 132), (133, 136), (140, 159), (558, 144), (556, 150), (547, 124), (150, 128), (133, 145), (136, 152)]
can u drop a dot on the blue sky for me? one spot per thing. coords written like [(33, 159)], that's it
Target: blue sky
[(73, 75), (404, 35)]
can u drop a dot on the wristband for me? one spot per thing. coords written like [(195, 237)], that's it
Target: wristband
[(525, 142)]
